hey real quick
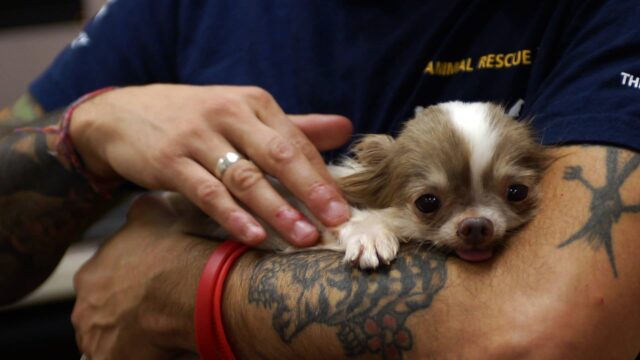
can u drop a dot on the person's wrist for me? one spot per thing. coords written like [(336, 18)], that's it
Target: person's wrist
[(236, 315), (167, 311), (88, 136)]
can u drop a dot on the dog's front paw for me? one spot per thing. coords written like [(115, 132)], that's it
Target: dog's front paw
[(368, 241)]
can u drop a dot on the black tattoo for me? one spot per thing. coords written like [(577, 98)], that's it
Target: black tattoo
[(26, 158), (368, 309), (44, 206), (606, 204)]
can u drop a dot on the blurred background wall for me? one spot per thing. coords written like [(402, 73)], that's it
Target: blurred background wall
[(26, 50)]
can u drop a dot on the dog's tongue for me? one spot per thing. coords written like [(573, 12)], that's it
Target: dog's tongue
[(475, 254)]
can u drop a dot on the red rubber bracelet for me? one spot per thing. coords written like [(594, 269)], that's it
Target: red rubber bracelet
[(204, 300), (208, 340), (224, 348)]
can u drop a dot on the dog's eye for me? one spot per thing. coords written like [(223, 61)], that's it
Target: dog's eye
[(428, 203), (517, 192)]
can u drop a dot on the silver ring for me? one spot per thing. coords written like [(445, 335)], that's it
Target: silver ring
[(225, 162)]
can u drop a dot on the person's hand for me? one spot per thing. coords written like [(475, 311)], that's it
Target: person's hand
[(170, 137), (136, 296)]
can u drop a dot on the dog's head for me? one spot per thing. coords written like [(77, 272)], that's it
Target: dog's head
[(460, 175)]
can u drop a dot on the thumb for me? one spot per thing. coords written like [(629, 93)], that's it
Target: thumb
[(326, 132)]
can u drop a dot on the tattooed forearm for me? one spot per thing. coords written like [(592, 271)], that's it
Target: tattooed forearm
[(368, 310), (607, 205), (43, 206), (24, 110)]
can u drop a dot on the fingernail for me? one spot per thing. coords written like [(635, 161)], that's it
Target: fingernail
[(336, 211), (304, 234), (253, 234)]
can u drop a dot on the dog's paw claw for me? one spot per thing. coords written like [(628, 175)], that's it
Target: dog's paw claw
[(368, 245)]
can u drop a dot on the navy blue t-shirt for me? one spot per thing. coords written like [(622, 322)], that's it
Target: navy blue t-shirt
[(576, 64)]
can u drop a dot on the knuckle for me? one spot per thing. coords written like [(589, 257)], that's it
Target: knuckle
[(209, 192), (184, 129), (305, 147), (220, 105), (281, 150), (165, 157), (258, 95), (78, 278), (76, 317), (245, 175)]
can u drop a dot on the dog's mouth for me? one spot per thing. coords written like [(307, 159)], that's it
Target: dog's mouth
[(474, 254)]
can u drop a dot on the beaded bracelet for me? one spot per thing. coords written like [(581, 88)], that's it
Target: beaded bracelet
[(211, 338), (65, 149)]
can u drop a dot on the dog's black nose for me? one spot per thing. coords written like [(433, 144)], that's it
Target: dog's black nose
[(475, 231)]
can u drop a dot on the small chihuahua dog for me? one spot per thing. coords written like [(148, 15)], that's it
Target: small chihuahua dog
[(460, 176)]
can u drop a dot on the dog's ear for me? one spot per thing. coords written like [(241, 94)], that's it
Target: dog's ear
[(372, 150), (367, 186)]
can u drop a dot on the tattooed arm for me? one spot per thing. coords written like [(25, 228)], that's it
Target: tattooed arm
[(43, 206), (567, 286), (555, 292), (163, 137)]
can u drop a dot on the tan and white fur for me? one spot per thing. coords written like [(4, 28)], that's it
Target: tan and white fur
[(460, 176)]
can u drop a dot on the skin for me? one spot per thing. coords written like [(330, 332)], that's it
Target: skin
[(127, 129), (63, 205), (556, 291), (539, 298), (50, 204)]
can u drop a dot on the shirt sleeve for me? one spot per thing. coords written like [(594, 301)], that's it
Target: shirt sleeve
[(592, 93), (127, 42)]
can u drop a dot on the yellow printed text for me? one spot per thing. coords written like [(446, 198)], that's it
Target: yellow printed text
[(506, 60), (447, 68)]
